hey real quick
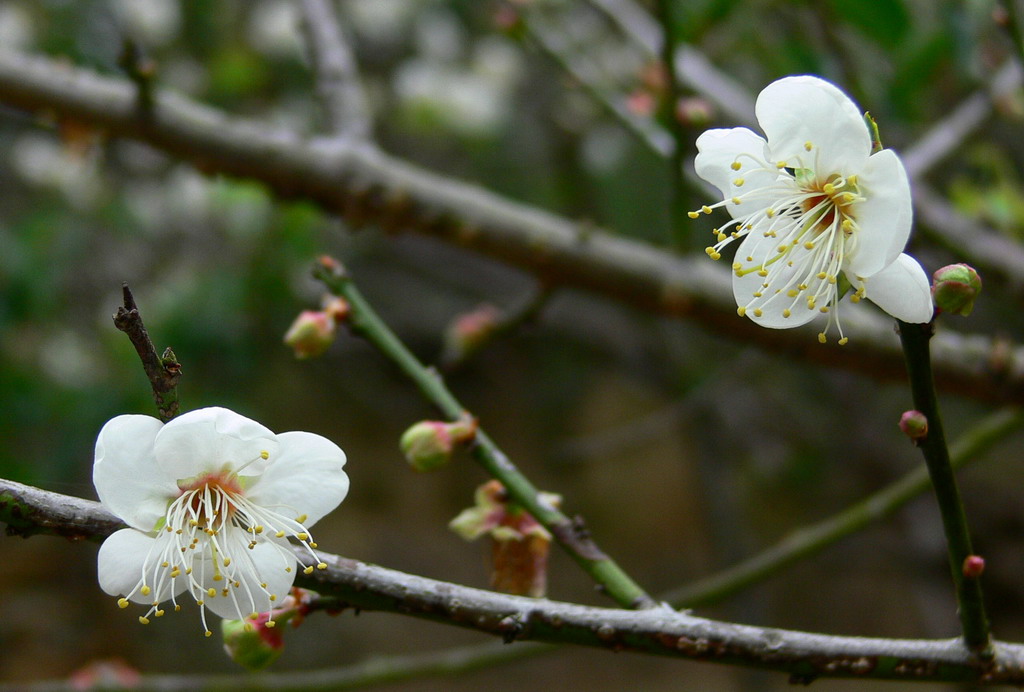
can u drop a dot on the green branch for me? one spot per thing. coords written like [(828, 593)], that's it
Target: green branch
[(570, 534), (973, 619)]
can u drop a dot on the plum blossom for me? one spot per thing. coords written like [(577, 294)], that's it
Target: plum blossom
[(212, 499), (816, 211)]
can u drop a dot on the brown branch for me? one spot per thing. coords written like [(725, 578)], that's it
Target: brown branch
[(365, 185), (163, 371), (658, 631), (337, 77)]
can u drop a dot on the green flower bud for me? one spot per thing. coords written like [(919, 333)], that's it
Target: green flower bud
[(311, 333), (955, 288), (252, 644), (429, 444), (914, 425)]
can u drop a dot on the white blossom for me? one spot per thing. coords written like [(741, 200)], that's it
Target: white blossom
[(817, 212), (212, 499)]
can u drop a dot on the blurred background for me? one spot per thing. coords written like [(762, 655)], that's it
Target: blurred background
[(685, 452)]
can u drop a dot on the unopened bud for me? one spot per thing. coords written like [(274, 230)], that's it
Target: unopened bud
[(914, 425), (336, 308), (311, 333), (430, 444), (469, 331), (251, 643), (693, 111), (973, 567), (955, 288)]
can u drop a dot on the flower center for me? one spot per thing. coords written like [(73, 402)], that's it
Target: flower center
[(202, 545)]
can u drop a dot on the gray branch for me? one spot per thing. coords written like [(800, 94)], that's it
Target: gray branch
[(365, 185), (659, 631), (337, 77)]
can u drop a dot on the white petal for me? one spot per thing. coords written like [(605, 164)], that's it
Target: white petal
[(796, 110), (121, 562), (773, 301), (885, 217), (717, 150), (902, 290), (306, 477), (210, 439), (125, 473), (265, 563)]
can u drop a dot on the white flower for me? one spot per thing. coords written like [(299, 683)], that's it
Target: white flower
[(212, 498), (817, 211)]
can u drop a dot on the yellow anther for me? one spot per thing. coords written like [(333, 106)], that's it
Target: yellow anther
[(802, 287), (287, 569), (301, 518), (199, 601), (693, 214), (716, 256), (769, 212), (122, 603), (736, 200), (735, 165), (758, 312), (211, 592), (823, 310), (236, 584), (741, 311), (780, 164), (302, 536), (264, 454), (852, 180), (175, 573), (224, 592), (810, 302), (313, 545), (782, 248), (706, 209), (736, 266), (322, 565), (829, 189), (842, 342), (792, 293), (248, 627), (269, 623), (720, 236), (208, 633), (821, 275), (165, 564), (145, 590), (273, 597), (308, 570), (831, 279), (847, 226), (848, 197), (254, 616), (144, 620), (218, 577), (786, 313), (738, 182), (193, 522), (279, 534), (188, 570), (762, 272), (822, 338), (855, 298), (227, 561), (808, 146), (177, 607), (758, 294), (158, 613), (809, 245)]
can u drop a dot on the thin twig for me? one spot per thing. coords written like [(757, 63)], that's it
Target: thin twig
[(164, 370), (973, 619), (570, 533), (337, 76), (680, 227), (659, 631)]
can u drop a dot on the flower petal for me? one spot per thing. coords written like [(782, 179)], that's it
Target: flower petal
[(127, 479), (306, 476), (795, 110), (774, 299), (902, 290), (717, 150), (210, 439), (124, 559), (265, 564), (885, 217)]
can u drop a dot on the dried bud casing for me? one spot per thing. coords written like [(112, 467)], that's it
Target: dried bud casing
[(955, 288)]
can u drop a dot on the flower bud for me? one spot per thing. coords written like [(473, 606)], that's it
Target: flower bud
[(914, 425), (336, 308), (469, 331), (429, 444), (973, 566), (311, 333), (251, 643), (693, 111), (955, 288)]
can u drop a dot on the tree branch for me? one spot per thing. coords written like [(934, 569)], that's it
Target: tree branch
[(337, 77), (364, 185), (659, 631), (164, 370)]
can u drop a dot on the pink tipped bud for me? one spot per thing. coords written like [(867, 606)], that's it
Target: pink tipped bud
[(429, 444), (955, 288), (253, 643), (642, 103), (311, 333), (693, 112), (974, 565), (470, 330), (914, 425)]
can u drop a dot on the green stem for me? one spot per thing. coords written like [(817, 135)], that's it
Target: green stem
[(809, 540), (973, 620), (678, 204), (569, 534)]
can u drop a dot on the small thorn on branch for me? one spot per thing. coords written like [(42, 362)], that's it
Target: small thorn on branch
[(163, 371)]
